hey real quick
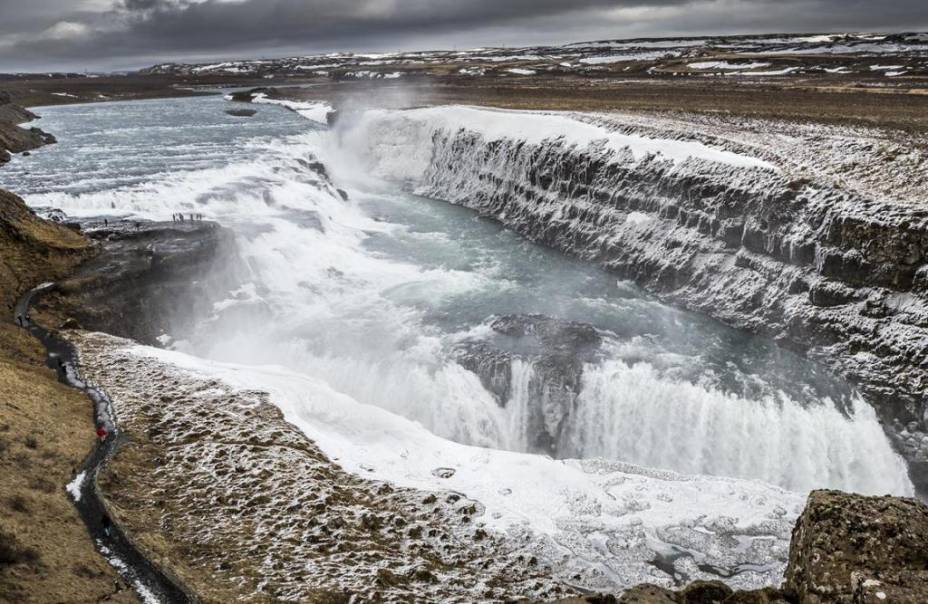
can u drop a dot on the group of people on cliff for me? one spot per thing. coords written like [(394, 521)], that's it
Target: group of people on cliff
[(179, 217)]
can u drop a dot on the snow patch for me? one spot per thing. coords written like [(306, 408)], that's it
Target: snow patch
[(621, 58), (727, 65), (400, 142), (316, 111), (74, 487)]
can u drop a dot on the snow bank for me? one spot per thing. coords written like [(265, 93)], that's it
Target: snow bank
[(554, 500), (621, 58), (317, 111), (727, 65), (400, 142)]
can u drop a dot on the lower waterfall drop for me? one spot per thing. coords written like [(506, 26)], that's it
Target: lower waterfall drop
[(630, 413)]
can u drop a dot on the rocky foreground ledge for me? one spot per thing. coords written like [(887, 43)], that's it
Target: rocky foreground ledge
[(846, 549), (215, 484), (146, 278)]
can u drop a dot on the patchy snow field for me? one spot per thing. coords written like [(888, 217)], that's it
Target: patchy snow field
[(418, 516), (648, 57), (879, 164)]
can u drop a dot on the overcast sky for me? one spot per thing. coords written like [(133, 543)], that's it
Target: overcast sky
[(45, 35)]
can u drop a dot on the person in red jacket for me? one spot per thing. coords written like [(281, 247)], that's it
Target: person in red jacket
[(101, 431)]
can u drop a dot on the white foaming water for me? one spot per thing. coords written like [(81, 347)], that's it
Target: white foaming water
[(517, 408), (368, 296), (631, 413)]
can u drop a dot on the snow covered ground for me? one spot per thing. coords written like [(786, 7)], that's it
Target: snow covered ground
[(410, 131), (872, 162), (592, 523), (314, 111)]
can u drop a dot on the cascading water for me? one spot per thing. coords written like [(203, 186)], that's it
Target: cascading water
[(376, 295), (631, 413)]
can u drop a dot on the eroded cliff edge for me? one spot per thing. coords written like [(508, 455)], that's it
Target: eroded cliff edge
[(816, 237)]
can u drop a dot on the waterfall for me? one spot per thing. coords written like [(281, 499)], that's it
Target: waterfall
[(631, 414), (518, 407)]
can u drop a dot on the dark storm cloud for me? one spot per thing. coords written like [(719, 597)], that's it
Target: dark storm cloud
[(104, 33)]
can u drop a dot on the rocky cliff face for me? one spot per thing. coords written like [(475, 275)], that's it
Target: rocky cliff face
[(14, 139), (847, 548), (829, 271), (552, 353), (148, 278)]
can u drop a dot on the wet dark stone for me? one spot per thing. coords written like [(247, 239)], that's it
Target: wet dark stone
[(556, 349)]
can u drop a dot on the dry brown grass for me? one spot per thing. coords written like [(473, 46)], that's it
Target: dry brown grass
[(46, 429), (45, 432)]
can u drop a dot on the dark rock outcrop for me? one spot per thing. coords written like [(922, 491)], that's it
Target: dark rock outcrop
[(555, 349), (246, 96), (853, 549), (241, 112), (14, 139), (148, 278)]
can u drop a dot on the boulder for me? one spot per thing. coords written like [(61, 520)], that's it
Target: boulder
[(556, 349), (851, 549), (845, 549)]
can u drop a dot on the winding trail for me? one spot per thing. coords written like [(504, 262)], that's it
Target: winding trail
[(148, 580)]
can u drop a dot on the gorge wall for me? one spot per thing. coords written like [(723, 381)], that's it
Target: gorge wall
[(829, 271), (147, 278)]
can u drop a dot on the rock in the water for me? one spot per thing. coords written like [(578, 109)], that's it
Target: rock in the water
[(241, 112), (556, 351)]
